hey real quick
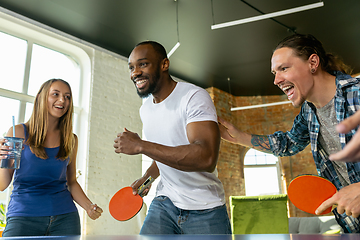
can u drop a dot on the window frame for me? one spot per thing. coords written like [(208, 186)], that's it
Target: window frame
[(277, 165)]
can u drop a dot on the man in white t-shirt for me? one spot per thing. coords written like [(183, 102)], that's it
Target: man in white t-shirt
[(182, 137)]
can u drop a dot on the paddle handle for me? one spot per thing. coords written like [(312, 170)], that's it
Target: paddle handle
[(145, 185)]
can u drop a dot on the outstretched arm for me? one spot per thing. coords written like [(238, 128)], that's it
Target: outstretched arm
[(76, 191), (199, 155), (231, 134)]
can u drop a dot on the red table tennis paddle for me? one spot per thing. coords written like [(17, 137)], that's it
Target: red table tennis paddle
[(308, 192), (124, 204)]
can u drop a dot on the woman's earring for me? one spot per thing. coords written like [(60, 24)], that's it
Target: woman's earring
[(312, 70)]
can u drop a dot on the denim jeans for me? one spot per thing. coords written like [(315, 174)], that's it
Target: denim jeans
[(164, 218), (60, 225)]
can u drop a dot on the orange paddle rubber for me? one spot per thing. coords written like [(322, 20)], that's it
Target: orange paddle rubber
[(308, 192), (124, 204)]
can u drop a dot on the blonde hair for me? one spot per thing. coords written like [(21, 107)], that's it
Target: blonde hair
[(38, 127)]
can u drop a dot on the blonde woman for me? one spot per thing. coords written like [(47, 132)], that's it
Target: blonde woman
[(45, 185)]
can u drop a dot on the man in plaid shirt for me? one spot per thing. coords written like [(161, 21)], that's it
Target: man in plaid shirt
[(317, 82)]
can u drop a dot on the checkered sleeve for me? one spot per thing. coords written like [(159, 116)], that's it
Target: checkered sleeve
[(293, 141)]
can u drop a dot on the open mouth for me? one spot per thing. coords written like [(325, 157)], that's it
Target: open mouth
[(289, 91), (140, 83), (59, 107)]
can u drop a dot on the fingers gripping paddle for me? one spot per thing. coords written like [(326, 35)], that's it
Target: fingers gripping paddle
[(308, 192), (124, 204)]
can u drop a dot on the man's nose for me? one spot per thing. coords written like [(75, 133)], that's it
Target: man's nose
[(135, 73), (277, 79)]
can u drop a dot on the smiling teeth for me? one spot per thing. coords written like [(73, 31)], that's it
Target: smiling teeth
[(286, 88), (140, 81)]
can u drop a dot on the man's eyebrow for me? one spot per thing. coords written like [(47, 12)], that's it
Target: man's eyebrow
[(278, 67), (138, 60), (273, 70)]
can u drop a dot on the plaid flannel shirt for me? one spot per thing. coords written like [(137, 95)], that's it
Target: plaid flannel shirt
[(306, 129)]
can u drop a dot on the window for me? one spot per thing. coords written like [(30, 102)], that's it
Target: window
[(12, 62), (29, 56), (261, 173)]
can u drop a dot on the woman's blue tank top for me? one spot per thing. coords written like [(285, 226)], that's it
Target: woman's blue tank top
[(40, 185)]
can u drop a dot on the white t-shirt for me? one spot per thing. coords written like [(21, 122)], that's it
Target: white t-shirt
[(165, 123)]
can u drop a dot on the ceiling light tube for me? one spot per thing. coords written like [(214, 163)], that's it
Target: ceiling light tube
[(260, 105), (269, 15), (174, 49)]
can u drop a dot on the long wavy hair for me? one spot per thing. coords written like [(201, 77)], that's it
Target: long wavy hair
[(304, 45), (38, 124)]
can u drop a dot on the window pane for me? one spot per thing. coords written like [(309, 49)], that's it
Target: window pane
[(12, 62), (9, 108), (261, 181), (47, 64), (270, 159), (254, 157), (28, 111), (250, 159), (3, 197), (75, 119)]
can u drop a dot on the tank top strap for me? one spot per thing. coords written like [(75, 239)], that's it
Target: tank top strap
[(25, 132)]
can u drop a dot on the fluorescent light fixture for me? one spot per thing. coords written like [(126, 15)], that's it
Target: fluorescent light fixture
[(260, 105), (174, 49), (269, 15)]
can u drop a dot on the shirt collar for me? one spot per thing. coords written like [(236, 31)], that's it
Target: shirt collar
[(344, 80)]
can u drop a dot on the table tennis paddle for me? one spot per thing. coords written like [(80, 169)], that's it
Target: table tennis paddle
[(124, 204), (308, 192)]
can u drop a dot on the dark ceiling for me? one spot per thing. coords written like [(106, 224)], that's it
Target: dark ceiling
[(206, 57)]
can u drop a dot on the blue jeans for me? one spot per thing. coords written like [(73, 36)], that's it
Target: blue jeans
[(164, 218), (60, 225)]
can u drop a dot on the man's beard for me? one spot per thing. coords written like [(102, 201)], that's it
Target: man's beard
[(300, 103), (152, 87), (148, 92)]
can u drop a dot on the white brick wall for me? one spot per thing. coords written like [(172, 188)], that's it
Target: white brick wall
[(114, 105)]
